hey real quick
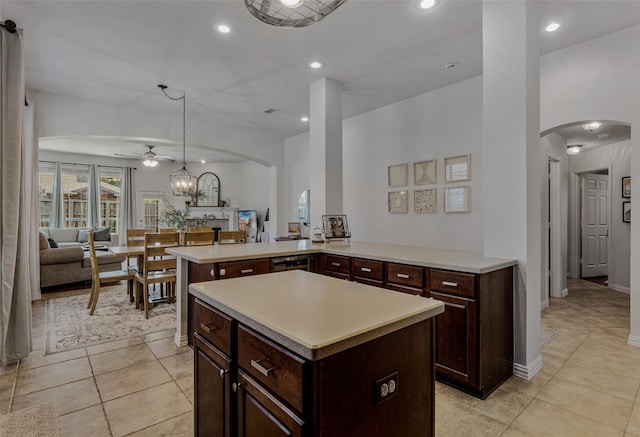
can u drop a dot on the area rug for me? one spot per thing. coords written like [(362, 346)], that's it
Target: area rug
[(68, 324), (546, 337), (36, 421)]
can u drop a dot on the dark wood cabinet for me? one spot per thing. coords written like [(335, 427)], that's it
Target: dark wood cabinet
[(474, 336), (367, 271), (213, 413), (260, 414), (236, 269), (405, 278)]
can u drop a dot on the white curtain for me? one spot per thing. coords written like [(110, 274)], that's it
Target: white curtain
[(31, 188), (57, 203), (93, 196), (127, 217), (16, 172)]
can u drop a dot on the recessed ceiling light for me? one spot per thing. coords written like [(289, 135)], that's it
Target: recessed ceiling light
[(315, 65), (203, 161), (451, 66), (291, 3), (223, 28), (426, 4), (553, 26), (574, 150), (305, 119), (591, 126), (604, 135)]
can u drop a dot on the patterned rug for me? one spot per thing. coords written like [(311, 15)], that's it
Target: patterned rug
[(36, 421), (68, 324)]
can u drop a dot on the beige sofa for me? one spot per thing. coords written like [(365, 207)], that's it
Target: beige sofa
[(65, 237), (70, 263)]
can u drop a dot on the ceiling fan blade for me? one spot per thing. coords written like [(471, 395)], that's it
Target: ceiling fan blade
[(165, 158)]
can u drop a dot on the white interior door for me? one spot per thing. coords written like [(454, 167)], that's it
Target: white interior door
[(595, 225)]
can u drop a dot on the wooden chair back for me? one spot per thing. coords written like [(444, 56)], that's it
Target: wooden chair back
[(199, 238), (165, 230), (200, 229), (95, 271), (135, 237), (232, 237), (155, 256)]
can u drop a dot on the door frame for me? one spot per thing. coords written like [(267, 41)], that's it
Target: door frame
[(575, 225)]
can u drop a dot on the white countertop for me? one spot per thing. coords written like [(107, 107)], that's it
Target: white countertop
[(421, 256), (314, 315)]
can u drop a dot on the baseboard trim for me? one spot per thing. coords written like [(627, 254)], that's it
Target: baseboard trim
[(564, 293), (634, 340), (544, 304), (619, 288), (528, 372), (181, 340)]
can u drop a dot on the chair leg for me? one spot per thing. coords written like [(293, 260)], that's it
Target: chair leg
[(146, 301), (130, 290), (91, 295), (94, 301)]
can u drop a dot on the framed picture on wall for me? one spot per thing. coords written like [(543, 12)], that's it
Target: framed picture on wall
[(335, 226), (457, 199), (626, 187), (457, 168), (424, 173), (424, 200), (626, 212), (398, 202), (398, 175)]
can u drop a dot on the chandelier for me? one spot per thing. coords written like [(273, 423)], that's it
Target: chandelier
[(183, 183), (291, 13), (149, 158)]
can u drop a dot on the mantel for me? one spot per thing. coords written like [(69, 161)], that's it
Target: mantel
[(219, 211)]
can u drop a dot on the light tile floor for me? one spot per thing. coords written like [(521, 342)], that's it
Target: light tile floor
[(143, 386)]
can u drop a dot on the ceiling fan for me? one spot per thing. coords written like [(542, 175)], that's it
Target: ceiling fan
[(149, 158)]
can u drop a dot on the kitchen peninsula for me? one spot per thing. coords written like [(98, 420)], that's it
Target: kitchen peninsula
[(300, 354), (474, 337)]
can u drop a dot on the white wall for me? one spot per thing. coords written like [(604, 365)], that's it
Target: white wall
[(615, 157), (297, 179), (443, 123)]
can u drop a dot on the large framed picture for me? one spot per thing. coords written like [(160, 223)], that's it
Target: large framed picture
[(398, 175), (335, 226), (626, 212), (626, 187)]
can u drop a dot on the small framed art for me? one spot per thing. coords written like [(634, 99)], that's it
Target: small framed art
[(457, 168), (626, 212), (398, 175), (626, 187), (335, 226), (398, 202), (424, 172), (424, 200), (457, 199), (294, 228)]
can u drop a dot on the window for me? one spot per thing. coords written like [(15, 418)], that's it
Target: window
[(75, 185), (152, 207), (110, 188), (45, 192)]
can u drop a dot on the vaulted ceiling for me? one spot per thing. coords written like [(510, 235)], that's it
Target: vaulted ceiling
[(116, 52)]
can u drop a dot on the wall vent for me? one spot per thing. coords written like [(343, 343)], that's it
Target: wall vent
[(270, 110)]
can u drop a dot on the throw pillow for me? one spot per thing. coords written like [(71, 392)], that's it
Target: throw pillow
[(102, 234), (44, 243), (52, 243), (83, 236)]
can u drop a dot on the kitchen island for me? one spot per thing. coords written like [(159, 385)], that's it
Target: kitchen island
[(474, 337), (301, 354)]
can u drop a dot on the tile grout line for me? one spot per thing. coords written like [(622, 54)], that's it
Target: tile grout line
[(95, 382)]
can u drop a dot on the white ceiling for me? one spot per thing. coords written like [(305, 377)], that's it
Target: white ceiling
[(116, 52)]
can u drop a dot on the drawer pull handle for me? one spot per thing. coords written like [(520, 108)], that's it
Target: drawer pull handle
[(335, 264), (222, 373), (208, 328), (402, 275), (449, 284), (245, 271), (365, 269), (212, 273), (256, 365), (235, 386)]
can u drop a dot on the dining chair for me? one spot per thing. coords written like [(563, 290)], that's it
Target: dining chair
[(98, 278), (165, 230), (232, 237), (199, 238), (205, 229), (159, 267)]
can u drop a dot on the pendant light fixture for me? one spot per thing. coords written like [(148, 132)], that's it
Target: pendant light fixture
[(183, 183), (291, 13)]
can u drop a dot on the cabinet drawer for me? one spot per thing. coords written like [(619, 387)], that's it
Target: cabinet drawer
[(402, 274), (366, 268), (214, 326), (337, 264), (277, 368), (462, 284), (235, 269)]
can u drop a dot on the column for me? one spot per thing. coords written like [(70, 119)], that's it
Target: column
[(513, 163)]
